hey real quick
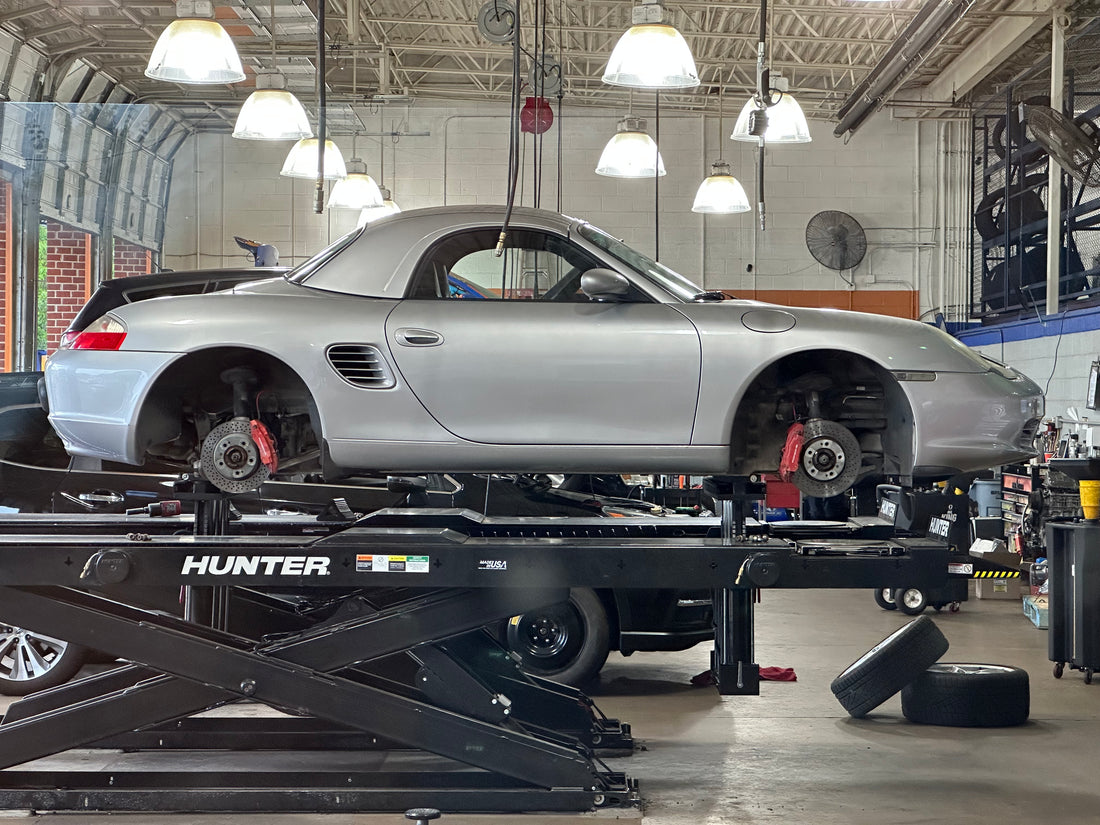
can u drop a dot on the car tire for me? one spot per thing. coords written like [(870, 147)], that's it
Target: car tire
[(966, 695), (884, 598), (567, 642), (31, 661), (889, 666), (911, 600)]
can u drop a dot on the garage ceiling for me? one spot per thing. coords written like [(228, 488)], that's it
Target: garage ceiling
[(432, 49)]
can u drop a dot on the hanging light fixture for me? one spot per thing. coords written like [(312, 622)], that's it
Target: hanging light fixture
[(388, 206), (358, 190), (782, 117), (195, 48), (631, 153), (302, 161), (271, 112), (720, 193), (652, 54)]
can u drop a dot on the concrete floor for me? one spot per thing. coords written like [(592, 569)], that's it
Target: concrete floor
[(791, 755)]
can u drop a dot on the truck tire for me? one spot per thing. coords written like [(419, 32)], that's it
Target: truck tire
[(566, 642), (889, 666), (968, 695)]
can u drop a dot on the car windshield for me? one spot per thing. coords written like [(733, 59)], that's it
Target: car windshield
[(303, 271), (669, 280)]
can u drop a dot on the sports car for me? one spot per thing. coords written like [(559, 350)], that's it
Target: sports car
[(440, 340)]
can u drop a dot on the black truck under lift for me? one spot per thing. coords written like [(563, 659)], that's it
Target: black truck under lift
[(387, 656)]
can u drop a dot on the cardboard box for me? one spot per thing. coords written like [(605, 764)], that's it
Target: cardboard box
[(997, 588)]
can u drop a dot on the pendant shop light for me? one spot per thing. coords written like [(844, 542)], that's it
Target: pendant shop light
[(373, 213), (387, 205), (358, 190), (195, 48), (631, 153), (651, 54), (271, 112), (720, 193), (785, 121), (302, 161)]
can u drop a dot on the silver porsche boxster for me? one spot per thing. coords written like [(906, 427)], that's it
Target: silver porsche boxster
[(415, 344)]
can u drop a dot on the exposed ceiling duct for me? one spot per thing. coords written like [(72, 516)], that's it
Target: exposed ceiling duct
[(909, 50)]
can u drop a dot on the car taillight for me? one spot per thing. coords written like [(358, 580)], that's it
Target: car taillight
[(105, 334)]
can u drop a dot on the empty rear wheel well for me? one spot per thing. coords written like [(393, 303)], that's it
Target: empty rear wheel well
[(852, 390), (189, 397)]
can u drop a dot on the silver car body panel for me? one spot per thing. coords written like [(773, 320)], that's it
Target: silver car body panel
[(98, 398), (522, 386)]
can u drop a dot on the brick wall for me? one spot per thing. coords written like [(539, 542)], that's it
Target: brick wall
[(7, 253), (68, 277), (131, 259)]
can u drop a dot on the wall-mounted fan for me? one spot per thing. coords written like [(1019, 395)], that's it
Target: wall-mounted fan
[(836, 240), (1074, 144)]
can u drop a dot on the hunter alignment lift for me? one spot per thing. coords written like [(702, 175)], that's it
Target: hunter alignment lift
[(395, 696)]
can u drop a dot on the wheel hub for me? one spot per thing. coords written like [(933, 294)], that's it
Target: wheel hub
[(231, 459), (823, 459), (547, 636)]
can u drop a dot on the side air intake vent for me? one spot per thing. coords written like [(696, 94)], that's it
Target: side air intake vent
[(361, 365)]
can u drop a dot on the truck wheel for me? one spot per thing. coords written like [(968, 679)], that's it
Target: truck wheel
[(31, 662), (889, 666), (567, 642), (884, 598), (968, 696)]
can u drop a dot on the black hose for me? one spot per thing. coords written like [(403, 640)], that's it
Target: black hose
[(513, 136), (319, 195)]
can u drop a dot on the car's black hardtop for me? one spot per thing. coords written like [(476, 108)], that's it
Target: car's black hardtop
[(116, 292)]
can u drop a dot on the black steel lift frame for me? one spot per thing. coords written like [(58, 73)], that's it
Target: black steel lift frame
[(502, 741)]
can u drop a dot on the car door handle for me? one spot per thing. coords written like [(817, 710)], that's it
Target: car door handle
[(409, 337)]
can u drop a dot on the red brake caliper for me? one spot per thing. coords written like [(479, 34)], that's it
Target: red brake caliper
[(265, 443), (792, 450)]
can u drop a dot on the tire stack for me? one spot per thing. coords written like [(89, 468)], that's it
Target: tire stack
[(932, 693)]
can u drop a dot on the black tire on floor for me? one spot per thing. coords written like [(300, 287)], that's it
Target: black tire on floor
[(884, 598), (889, 666), (566, 642), (968, 695)]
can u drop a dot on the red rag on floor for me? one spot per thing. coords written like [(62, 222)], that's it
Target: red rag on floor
[(778, 674)]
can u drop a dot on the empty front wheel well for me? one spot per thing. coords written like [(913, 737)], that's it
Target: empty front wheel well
[(849, 389), (190, 397)]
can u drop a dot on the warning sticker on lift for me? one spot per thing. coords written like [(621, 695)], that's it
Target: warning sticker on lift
[(391, 564), (960, 569)]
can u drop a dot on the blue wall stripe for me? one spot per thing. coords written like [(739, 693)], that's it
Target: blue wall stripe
[(1026, 329)]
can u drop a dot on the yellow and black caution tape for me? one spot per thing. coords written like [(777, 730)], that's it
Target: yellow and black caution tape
[(995, 574)]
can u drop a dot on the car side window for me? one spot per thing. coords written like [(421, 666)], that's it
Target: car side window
[(535, 266)]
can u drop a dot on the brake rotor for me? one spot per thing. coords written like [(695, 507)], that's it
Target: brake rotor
[(231, 460)]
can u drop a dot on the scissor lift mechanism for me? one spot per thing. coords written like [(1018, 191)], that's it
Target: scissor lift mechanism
[(396, 661)]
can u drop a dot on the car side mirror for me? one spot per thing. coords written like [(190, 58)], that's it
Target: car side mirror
[(604, 285)]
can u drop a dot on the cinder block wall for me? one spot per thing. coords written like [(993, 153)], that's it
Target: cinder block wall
[(68, 277), (130, 259), (884, 177)]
